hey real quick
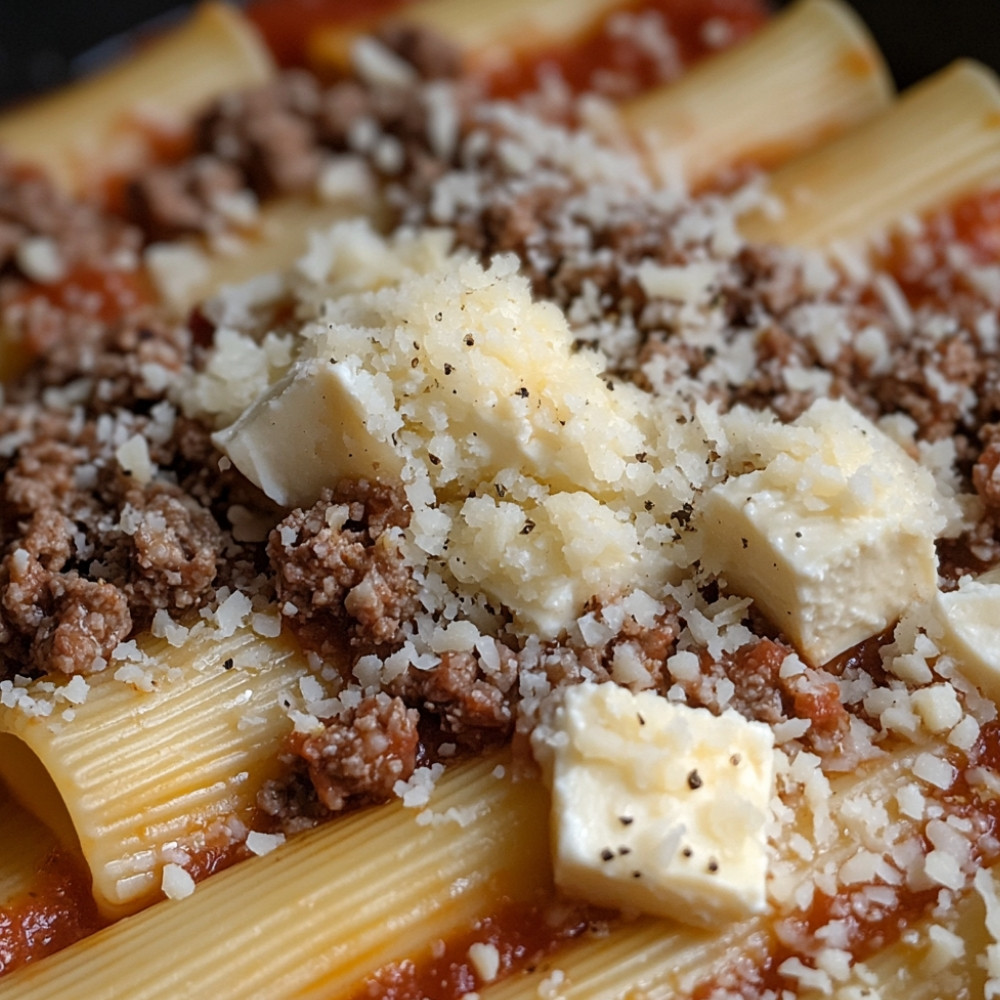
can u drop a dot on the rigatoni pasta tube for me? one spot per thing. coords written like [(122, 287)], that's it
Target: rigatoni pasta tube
[(809, 74), (81, 133), (146, 772), (26, 843), (320, 913), (940, 141)]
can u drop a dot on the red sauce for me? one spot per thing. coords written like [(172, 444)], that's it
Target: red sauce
[(918, 262), (58, 910), (603, 49), (162, 143), (104, 295), (976, 222), (288, 24), (524, 934)]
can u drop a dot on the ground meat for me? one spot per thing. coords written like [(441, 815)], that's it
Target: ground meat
[(167, 202), (360, 756), (51, 620), (86, 621), (32, 206), (164, 550), (125, 364), (986, 475), (88, 553), (759, 692), (340, 569), (468, 700), (430, 54)]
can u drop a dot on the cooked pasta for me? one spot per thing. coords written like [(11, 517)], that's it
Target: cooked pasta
[(532, 548)]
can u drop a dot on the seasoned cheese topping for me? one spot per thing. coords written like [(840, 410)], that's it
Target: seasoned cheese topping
[(657, 807), (532, 475), (832, 534)]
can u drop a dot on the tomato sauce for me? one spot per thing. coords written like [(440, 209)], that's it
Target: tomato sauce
[(523, 934), (103, 295), (608, 52), (697, 27), (58, 910), (288, 24), (917, 261)]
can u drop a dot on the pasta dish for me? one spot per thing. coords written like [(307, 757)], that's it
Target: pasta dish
[(501, 502)]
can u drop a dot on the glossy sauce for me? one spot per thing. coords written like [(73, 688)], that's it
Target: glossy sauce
[(608, 52), (105, 296), (972, 223), (523, 934), (58, 910), (288, 24)]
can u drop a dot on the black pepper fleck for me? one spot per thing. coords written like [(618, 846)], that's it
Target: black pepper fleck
[(228, 665), (607, 854), (626, 820), (694, 780), (529, 527), (713, 865)]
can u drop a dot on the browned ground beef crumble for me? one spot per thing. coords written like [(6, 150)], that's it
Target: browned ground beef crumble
[(89, 554)]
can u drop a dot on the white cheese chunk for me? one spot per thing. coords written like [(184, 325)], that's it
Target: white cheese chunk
[(656, 806), (971, 620), (309, 430), (177, 883), (833, 536)]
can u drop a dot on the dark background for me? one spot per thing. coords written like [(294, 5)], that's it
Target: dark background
[(44, 42)]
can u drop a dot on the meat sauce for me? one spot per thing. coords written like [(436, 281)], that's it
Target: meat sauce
[(103, 295), (518, 937), (59, 909), (696, 28)]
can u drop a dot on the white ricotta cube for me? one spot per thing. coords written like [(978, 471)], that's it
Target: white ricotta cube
[(657, 807), (971, 620), (311, 429), (833, 538)]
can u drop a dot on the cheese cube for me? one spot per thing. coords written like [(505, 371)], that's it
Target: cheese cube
[(657, 807), (310, 430), (833, 537), (971, 620)]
